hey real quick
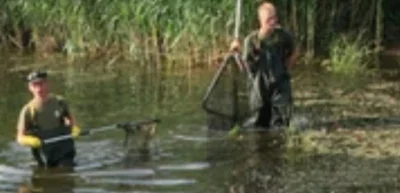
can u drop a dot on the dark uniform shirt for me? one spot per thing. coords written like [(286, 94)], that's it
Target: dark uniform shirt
[(269, 55), (47, 121), (267, 58), (47, 116)]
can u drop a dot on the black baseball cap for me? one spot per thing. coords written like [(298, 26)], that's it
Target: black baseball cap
[(36, 76)]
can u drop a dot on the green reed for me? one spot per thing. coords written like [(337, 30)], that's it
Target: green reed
[(349, 55), (173, 30)]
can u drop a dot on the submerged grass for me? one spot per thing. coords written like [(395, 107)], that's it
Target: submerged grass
[(358, 121), (377, 143)]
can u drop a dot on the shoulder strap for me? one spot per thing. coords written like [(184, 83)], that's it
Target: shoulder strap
[(255, 41), (64, 111), (31, 117), (63, 105)]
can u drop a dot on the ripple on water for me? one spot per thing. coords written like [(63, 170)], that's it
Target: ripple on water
[(203, 139), (97, 190), (185, 167), (7, 180), (150, 182), (8, 170), (119, 173), (97, 164)]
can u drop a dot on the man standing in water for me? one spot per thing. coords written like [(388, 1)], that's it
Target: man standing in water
[(270, 53), (46, 116)]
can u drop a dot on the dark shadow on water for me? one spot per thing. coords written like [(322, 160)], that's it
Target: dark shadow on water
[(255, 162), (261, 170), (44, 181)]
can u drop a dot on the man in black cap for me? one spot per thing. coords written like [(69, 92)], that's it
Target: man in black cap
[(45, 116)]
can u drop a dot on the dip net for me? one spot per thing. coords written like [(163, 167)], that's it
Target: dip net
[(233, 96)]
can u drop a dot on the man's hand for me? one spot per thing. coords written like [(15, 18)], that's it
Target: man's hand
[(292, 60), (75, 131), (30, 141), (235, 46)]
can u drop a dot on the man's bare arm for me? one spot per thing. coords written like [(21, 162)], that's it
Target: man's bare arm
[(21, 126), (69, 120), (292, 59)]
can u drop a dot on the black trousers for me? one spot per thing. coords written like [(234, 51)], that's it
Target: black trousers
[(277, 105), (56, 155)]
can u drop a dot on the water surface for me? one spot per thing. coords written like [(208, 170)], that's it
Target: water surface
[(185, 156)]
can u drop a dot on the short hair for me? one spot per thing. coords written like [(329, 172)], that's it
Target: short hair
[(266, 5)]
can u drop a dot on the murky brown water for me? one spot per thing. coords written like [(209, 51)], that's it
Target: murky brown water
[(185, 156)]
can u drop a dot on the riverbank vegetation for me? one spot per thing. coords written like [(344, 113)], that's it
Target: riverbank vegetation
[(183, 31)]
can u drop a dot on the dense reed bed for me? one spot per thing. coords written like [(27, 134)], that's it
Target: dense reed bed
[(197, 32)]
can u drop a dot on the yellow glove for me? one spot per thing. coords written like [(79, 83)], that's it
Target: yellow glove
[(31, 141), (75, 131)]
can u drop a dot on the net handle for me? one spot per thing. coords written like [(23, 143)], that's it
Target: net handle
[(237, 18), (235, 57)]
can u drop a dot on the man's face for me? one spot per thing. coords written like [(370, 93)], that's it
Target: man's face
[(39, 88), (267, 17)]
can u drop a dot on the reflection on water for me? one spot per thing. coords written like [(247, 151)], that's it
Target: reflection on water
[(185, 156), (256, 162), (40, 182)]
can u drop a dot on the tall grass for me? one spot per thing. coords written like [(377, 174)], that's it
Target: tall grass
[(134, 26), (349, 55), (146, 30)]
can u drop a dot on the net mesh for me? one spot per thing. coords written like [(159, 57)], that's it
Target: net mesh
[(232, 97), (141, 140)]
